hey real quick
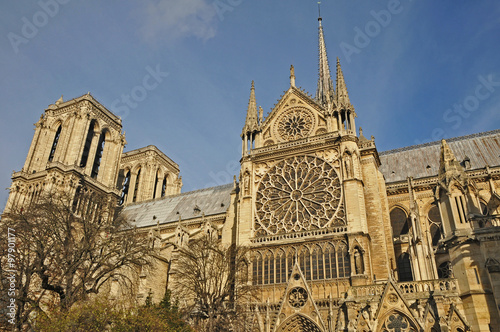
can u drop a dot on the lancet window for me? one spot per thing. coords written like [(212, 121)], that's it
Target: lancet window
[(125, 187), (98, 154), (88, 142), (136, 188), (399, 222), (434, 218), (54, 144)]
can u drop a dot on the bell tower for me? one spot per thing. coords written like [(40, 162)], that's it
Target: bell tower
[(76, 149)]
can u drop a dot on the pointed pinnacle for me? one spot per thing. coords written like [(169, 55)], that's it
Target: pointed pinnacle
[(342, 95), (251, 123)]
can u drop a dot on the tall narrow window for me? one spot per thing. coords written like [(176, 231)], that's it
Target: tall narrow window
[(344, 264), (290, 261), (136, 188), (399, 222), (156, 184), (164, 186), (268, 268), (126, 184), (305, 263), (257, 269), (317, 264), (54, 144), (330, 270), (98, 155), (404, 268), (280, 267), (271, 268), (88, 142), (434, 218)]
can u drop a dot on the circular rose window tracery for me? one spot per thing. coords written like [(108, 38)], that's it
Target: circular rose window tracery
[(295, 124), (297, 194), (297, 297)]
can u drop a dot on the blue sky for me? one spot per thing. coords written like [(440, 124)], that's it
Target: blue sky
[(416, 71)]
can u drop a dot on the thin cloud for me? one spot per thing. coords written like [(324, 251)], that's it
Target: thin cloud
[(173, 19)]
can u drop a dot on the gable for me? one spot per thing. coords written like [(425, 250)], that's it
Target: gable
[(295, 116)]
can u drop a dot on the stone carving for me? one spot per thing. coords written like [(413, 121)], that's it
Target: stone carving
[(294, 124), (358, 261), (396, 323), (297, 194), (297, 297)]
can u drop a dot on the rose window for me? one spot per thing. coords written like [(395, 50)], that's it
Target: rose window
[(295, 124), (297, 297), (297, 194)]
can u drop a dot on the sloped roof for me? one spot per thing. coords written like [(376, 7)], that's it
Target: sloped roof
[(210, 201), (423, 160)]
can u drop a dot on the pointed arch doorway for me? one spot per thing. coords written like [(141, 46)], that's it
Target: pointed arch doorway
[(298, 323)]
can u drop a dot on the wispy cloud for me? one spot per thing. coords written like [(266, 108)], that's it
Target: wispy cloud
[(173, 19)]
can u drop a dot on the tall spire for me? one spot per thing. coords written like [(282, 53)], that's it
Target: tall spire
[(342, 95), (251, 122), (325, 91)]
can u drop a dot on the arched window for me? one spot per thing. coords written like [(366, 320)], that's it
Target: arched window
[(268, 268), (136, 188), (98, 154), (125, 187), (280, 266), (290, 261), (54, 144), (317, 263), (88, 142), (343, 265), (330, 262), (257, 269), (399, 222), (404, 267), (305, 262), (156, 184), (164, 187), (434, 218)]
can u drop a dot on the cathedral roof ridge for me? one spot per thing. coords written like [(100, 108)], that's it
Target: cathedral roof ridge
[(190, 205), (187, 193), (438, 142)]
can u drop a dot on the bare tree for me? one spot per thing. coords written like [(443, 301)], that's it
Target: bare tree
[(212, 282), (62, 256)]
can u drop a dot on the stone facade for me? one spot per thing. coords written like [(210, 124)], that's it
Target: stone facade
[(341, 237)]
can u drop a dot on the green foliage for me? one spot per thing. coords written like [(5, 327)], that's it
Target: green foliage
[(100, 315)]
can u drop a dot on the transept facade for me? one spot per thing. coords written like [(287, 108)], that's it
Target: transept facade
[(341, 237)]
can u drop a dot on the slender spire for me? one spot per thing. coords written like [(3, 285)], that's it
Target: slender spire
[(325, 91), (292, 76), (342, 95), (251, 122)]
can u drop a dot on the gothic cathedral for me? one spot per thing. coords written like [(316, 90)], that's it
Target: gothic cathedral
[(341, 237)]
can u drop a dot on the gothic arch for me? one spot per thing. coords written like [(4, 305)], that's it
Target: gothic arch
[(400, 224), (55, 140), (396, 320), (298, 323)]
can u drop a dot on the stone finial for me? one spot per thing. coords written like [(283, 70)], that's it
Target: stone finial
[(292, 76), (60, 100)]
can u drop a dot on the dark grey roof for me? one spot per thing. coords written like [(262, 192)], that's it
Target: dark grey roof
[(210, 201), (423, 160)]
